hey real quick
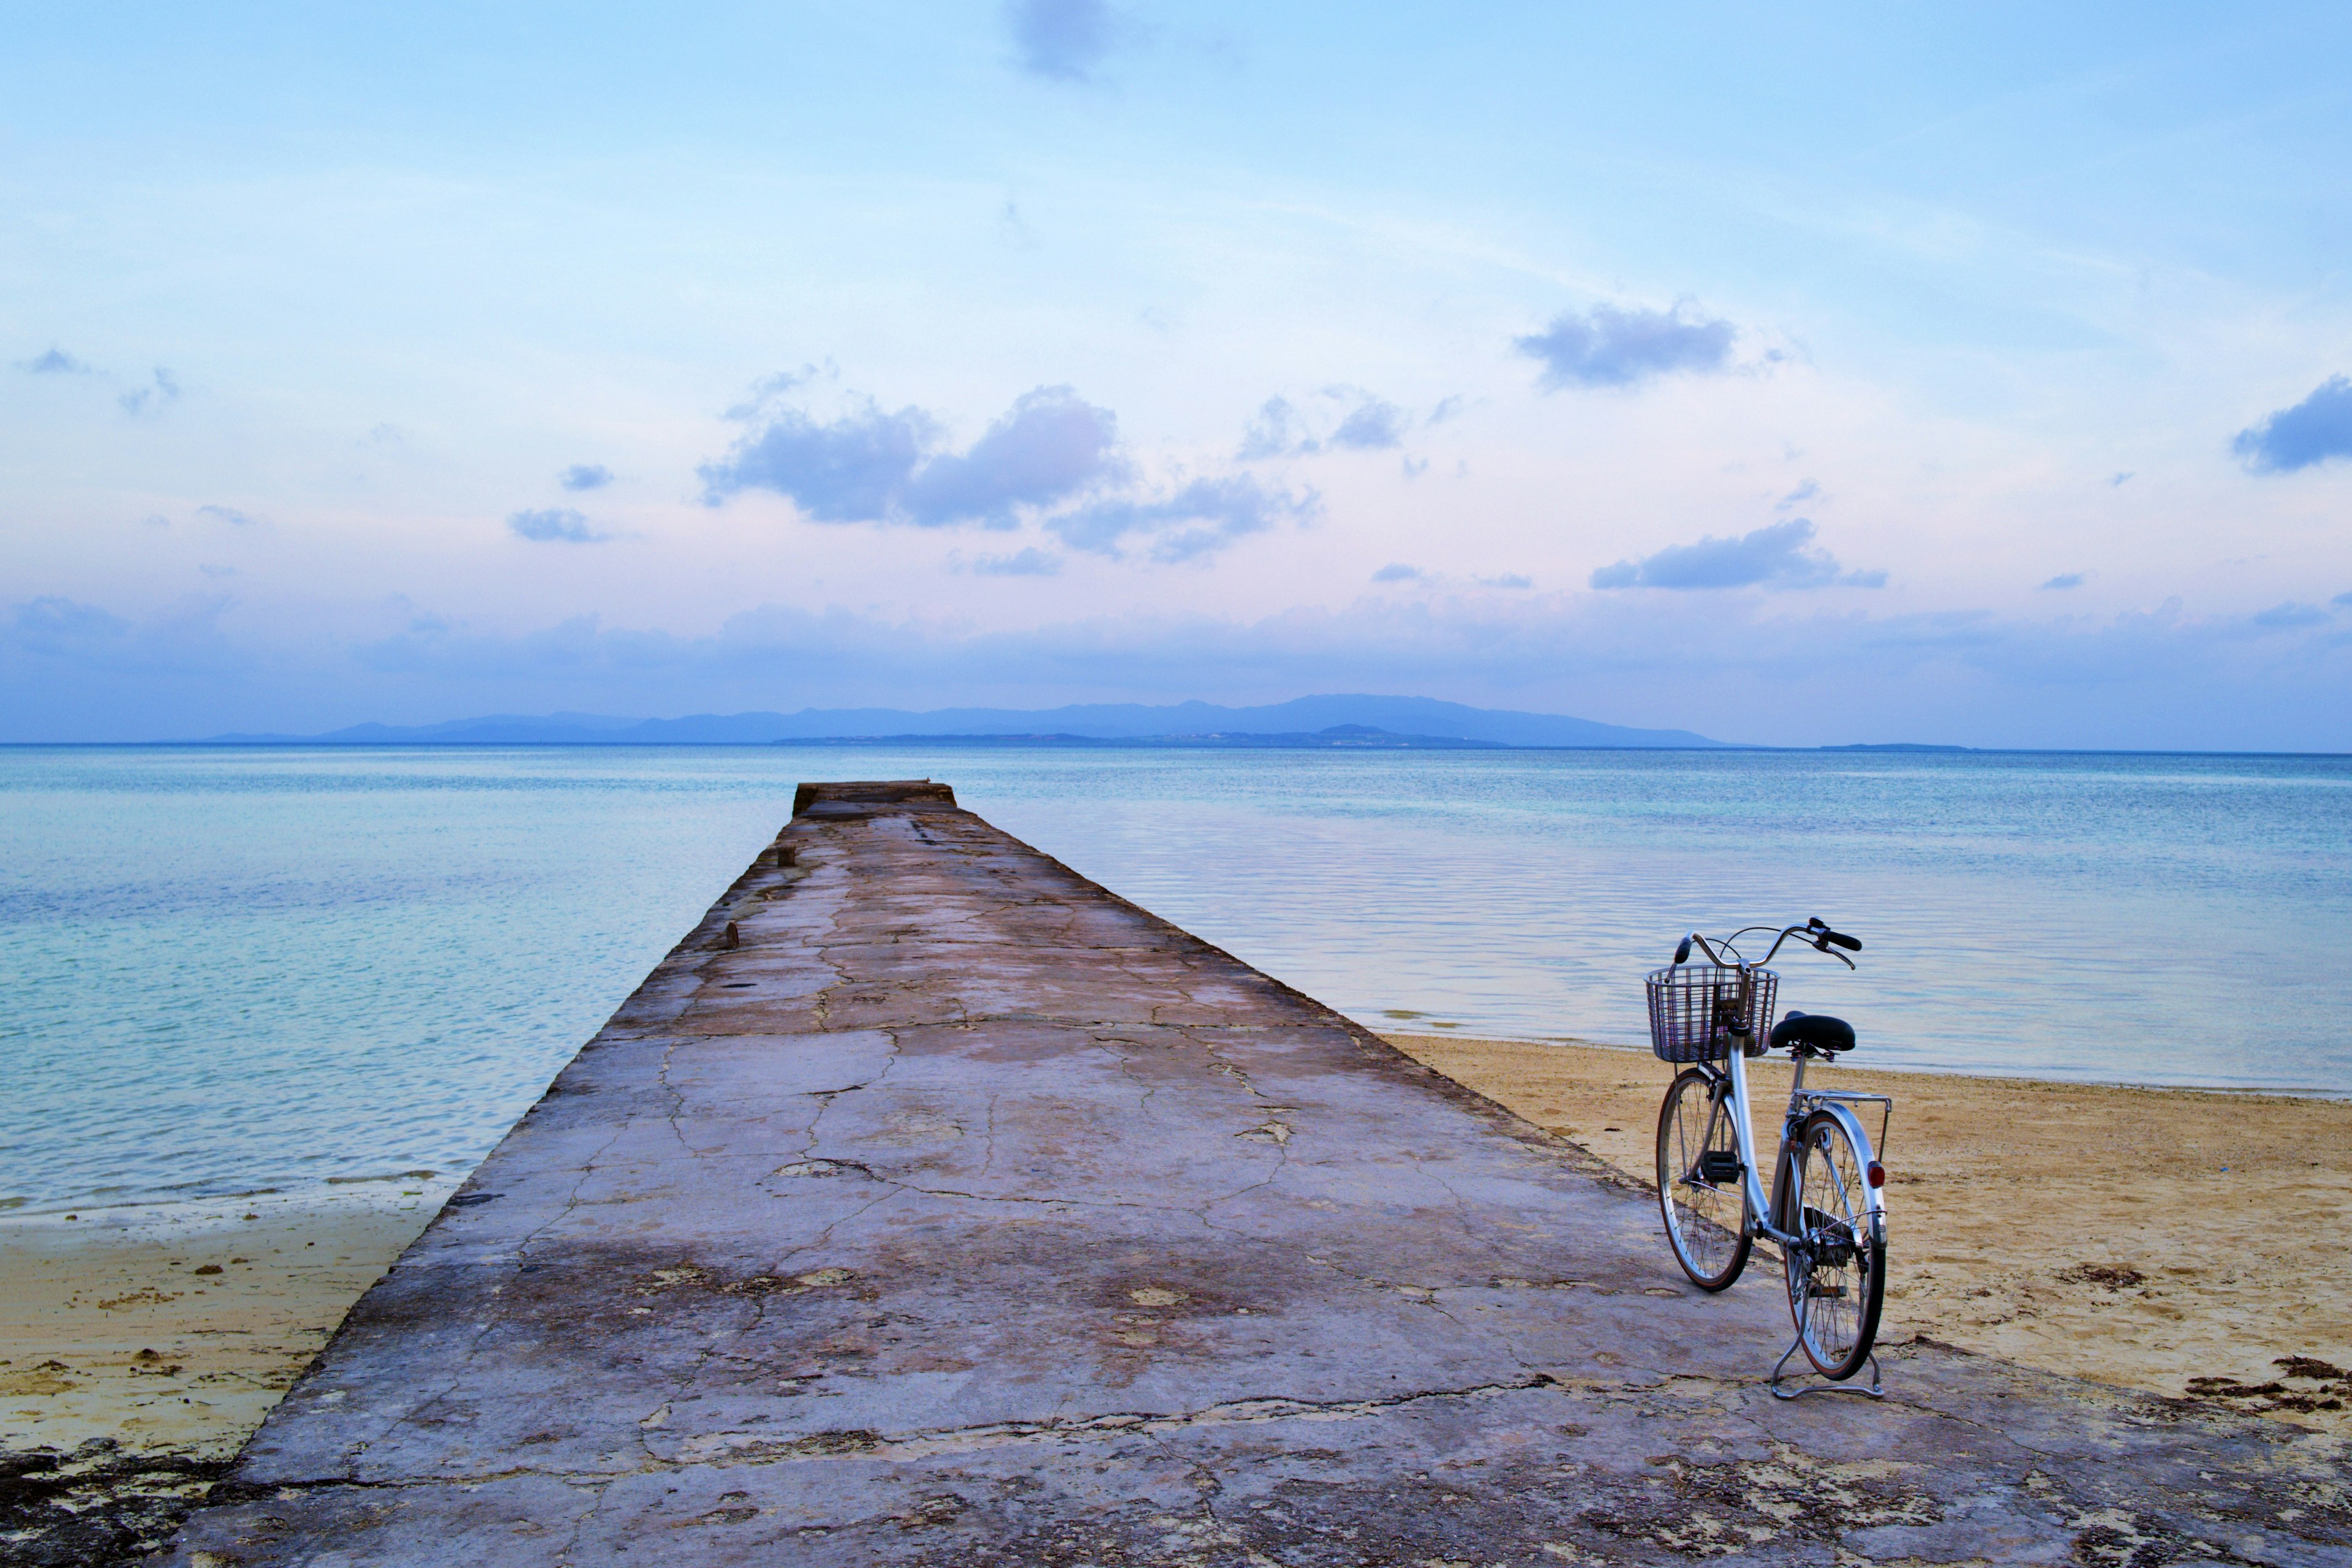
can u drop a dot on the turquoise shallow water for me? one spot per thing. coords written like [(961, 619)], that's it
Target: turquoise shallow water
[(226, 970)]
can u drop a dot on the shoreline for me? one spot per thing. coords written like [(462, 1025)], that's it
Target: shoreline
[(1389, 1025), (2068, 1227)]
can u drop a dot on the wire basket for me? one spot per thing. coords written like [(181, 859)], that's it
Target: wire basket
[(1693, 1007)]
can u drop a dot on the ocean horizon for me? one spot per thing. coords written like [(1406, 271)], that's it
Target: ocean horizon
[(1030, 743)]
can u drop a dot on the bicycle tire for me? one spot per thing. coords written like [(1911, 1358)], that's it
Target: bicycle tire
[(1709, 1238), (1837, 1272)]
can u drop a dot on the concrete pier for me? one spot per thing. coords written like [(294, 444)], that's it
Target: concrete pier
[(959, 1213)]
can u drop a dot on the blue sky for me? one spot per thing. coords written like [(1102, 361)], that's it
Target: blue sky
[(1970, 374)]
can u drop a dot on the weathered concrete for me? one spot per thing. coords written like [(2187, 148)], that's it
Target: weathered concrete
[(964, 1213)]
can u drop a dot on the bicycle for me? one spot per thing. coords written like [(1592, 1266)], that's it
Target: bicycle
[(1826, 1211)]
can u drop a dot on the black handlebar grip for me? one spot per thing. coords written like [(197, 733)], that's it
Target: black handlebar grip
[(1682, 952), (1851, 944)]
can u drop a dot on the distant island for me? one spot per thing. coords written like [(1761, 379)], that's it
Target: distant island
[(1332, 722), (1338, 737)]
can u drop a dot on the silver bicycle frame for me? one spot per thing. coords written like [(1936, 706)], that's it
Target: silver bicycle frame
[(1802, 1102)]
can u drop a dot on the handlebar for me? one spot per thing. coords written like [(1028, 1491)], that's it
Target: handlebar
[(1822, 933), (1816, 931)]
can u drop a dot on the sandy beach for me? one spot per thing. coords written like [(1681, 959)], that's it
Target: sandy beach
[(2189, 1243), (139, 1347)]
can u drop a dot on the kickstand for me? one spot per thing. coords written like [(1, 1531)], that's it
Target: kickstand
[(1876, 1391)]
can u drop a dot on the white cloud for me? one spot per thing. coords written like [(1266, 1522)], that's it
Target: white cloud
[(1779, 555)]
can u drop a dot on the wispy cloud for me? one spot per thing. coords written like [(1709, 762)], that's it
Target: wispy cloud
[(53, 622), (2065, 580), (1196, 519), (2312, 431), (1062, 40), (851, 470), (1276, 430), (1400, 572), (227, 514), (1364, 423), (555, 525), (1051, 446), (1778, 556), (177, 642), (1029, 563), (1373, 425), (1053, 461), (152, 399), (56, 361), (585, 477), (871, 465), (1611, 345), (768, 392)]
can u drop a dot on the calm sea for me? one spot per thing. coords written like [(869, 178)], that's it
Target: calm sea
[(224, 971)]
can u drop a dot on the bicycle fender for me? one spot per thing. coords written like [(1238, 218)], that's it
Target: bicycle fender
[(1873, 1198)]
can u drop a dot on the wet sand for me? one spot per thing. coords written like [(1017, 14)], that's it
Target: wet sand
[(2189, 1243), (140, 1348), (176, 1328)]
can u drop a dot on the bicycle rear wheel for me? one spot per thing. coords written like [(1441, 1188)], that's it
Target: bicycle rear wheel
[(1837, 1269), (1706, 1214)]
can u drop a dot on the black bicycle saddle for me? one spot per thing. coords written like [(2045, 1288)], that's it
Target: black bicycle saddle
[(1815, 1032)]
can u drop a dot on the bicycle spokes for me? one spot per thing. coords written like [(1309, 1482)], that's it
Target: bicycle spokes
[(1835, 1257), (1706, 1216)]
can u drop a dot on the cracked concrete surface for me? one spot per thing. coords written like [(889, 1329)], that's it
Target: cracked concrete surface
[(963, 1213)]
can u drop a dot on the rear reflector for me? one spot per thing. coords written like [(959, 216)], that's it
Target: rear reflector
[(1877, 1173)]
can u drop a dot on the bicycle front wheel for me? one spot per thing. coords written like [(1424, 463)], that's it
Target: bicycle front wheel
[(1703, 1200), (1837, 1265)]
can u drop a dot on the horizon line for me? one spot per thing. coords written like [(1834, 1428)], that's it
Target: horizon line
[(1014, 742)]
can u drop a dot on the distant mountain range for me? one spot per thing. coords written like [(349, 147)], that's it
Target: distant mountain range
[(1338, 737), (1387, 723)]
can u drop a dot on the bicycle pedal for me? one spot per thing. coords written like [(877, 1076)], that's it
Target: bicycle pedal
[(1831, 1292), (1719, 1166)]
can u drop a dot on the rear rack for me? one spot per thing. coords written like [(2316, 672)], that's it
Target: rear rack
[(1886, 1104)]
